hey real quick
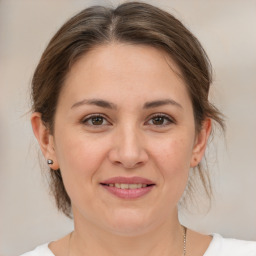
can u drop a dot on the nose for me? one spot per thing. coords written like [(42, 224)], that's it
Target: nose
[(127, 149)]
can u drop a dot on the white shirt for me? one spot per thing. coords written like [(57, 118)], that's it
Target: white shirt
[(219, 246)]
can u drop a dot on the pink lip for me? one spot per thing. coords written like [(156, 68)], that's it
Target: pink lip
[(128, 193), (128, 180)]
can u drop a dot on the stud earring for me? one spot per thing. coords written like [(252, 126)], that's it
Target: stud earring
[(49, 161)]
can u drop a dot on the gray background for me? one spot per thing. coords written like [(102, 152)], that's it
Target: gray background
[(227, 30)]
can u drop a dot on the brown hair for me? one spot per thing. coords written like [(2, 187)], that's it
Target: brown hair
[(132, 22)]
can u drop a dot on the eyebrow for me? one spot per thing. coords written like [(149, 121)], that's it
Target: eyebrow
[(97, 102), (106, 104), (159, 103)]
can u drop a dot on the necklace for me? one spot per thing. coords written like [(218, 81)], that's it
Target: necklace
[(184, 241)]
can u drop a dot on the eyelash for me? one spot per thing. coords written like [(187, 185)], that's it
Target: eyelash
[(166, 118), (90, 117), (158, 115)]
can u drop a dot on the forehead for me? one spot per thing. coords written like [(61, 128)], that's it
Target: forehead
[(117, 67), (141, 57)]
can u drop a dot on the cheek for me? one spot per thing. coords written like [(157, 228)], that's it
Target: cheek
[(173, 155), (79, 160), (173, 160), (79, 157)]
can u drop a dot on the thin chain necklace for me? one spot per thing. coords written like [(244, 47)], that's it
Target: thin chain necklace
[(184, 241)]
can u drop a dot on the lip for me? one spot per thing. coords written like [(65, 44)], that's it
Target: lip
[(128, 180), (128, 193)]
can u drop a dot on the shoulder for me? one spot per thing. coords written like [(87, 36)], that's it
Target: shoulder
[(226, 246), (42, 250)]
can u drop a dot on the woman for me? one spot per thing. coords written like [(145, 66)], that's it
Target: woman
[(121, 113)]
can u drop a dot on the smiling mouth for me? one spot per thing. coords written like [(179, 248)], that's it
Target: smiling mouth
[(130, 191), (127, 186)]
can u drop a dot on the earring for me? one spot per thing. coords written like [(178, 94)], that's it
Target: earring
[(49, 161)]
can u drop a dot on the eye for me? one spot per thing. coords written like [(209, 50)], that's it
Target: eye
[(160, 120), (95, 120)]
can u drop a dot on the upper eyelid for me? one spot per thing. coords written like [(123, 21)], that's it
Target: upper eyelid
[(162, 115), (159, 114), (86, 118), (95, 115)]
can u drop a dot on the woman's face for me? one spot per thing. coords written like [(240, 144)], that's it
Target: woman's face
[(124, 138)]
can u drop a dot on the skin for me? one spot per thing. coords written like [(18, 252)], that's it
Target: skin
[(127, 140)]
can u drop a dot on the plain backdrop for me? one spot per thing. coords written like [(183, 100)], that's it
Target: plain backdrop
[(227, 30)]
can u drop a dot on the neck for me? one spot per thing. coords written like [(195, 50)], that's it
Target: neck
[(89, 239)]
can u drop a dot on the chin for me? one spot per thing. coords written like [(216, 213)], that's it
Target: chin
[(129, 223)]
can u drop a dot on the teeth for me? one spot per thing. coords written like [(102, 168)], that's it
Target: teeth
[(127, 186), (134, 186), (124, 186)]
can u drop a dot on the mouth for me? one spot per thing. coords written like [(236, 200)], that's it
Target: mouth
[(128, 187)]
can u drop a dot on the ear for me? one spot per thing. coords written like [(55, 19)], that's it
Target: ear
[(44, 138), (201, 142)]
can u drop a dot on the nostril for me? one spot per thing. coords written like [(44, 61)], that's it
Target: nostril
[(128, 165), (117, 163), (132, 165)]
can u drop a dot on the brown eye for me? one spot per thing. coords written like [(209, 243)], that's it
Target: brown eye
[(159, 120), (97, 120)]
